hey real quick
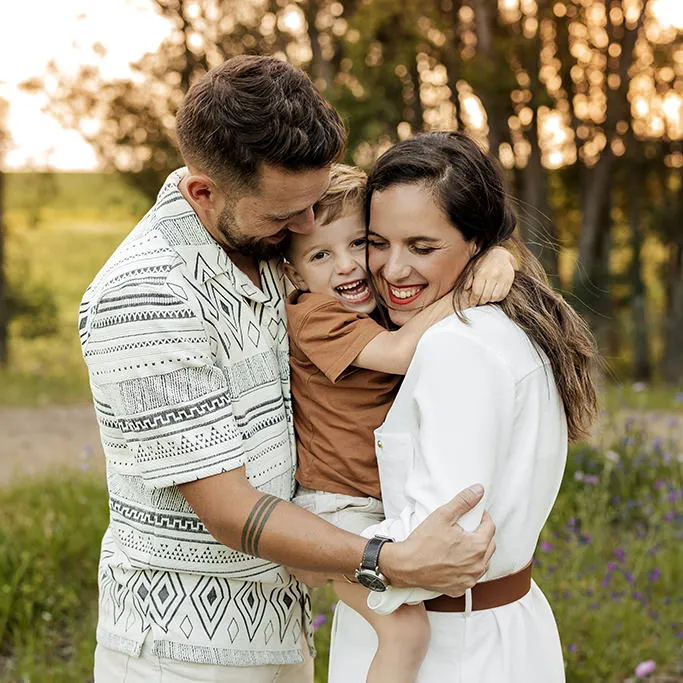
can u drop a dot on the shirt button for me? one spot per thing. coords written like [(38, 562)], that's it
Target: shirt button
[(380, 445)]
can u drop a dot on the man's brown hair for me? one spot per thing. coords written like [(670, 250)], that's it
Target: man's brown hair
[(252, 111)]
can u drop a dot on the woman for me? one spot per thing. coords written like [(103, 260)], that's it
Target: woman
[(492, 396)]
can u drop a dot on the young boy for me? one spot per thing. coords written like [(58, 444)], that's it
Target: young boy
[(346, 370)]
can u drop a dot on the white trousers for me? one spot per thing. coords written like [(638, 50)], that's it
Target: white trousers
[(116, 667)]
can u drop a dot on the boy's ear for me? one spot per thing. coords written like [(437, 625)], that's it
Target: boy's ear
[(294, 277)]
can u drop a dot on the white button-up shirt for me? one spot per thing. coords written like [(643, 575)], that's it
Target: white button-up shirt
[(478, 404), (188, 364)]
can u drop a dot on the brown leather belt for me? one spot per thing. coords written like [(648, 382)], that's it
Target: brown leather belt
[(487, 594)]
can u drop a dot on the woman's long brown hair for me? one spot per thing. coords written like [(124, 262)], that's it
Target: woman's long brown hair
[(468, 186)]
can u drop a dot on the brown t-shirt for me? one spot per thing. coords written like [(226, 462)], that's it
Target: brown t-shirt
[(336, 406)]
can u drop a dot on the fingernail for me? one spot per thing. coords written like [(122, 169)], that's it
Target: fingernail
[(477, 489)]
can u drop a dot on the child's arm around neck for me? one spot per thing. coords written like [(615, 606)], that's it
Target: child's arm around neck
[(392, 352)]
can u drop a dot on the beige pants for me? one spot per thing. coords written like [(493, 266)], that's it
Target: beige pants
[(116, 667), (351, 513)]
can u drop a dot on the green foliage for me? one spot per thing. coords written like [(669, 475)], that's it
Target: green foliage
[(610, 559), (52, 265), (74, 198), (49, 545), (610, 562), (31, 304)]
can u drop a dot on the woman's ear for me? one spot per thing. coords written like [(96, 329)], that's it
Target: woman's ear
[(294, 277)]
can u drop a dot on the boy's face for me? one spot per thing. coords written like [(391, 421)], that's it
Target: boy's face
[(331, 260)]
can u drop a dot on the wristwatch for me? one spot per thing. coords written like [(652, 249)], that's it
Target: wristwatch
[(368, 573)]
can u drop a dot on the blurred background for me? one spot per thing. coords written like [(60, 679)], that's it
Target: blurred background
[(582, 103)]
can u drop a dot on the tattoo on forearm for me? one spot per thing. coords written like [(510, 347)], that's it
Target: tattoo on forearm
[(256, 522)]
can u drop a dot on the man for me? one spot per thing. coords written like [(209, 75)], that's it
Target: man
[(184, 335)]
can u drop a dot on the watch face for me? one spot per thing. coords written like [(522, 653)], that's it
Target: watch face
[(371, 581)]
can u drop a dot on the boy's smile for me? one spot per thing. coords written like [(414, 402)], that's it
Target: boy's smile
[(331, 260)]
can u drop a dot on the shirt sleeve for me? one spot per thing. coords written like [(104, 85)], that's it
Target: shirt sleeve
[(464, 401), (151, 363), (328, 334)]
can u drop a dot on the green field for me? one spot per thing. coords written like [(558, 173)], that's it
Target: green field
[(82, 220), (610, 559)]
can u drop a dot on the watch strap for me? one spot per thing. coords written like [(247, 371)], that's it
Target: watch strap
[(370, 559)]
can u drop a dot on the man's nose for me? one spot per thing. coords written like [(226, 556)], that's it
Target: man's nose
[(303, 223)]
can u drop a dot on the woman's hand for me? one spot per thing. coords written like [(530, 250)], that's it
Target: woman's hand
[(492, 277)]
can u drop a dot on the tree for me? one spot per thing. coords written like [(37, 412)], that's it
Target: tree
[(130, 121), (4, 307)]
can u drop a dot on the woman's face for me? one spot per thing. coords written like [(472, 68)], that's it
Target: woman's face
[(415, 253)]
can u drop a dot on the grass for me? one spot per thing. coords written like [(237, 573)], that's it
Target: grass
[(49, 545), (610, 561), (80, 224)]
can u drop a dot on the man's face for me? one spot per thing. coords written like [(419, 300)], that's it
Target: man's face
[(259, 222)]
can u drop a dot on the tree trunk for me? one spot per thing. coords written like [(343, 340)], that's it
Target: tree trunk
[(642, 368), (536, 220), (321, 69), (495, 100), (591, 278), (4, 312), (672, 361)]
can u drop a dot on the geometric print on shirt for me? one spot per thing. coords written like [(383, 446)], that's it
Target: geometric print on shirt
[(189, 369)]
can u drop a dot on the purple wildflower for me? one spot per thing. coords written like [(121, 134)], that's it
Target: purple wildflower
[(655, 574), (545, 546), (645, 668), (318, 621)]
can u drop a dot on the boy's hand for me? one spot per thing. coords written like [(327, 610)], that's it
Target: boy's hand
[(492, 277)]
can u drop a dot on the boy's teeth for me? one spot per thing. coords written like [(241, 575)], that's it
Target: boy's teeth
[(353, 291), (404, 293)]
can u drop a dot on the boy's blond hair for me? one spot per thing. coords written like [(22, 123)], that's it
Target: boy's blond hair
[(345, 193)]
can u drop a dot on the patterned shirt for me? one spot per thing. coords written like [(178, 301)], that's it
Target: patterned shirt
[(188, 365)]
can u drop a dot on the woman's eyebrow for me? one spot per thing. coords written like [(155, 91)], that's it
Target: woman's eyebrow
[(423, 238)]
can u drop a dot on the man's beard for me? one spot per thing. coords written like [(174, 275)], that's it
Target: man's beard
[(236, 240)]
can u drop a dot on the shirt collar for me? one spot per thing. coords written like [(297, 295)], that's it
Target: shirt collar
[(204, 257)]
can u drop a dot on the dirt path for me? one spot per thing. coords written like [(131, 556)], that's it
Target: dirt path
[(37, 440)]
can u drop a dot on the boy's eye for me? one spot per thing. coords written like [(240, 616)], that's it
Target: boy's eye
[(318, 256), (360, 242)]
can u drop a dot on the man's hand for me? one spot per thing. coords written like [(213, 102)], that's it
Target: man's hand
[(438, 554), (492, 277)]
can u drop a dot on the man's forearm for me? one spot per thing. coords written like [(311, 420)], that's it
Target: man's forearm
[(438, 555), (264, 526)]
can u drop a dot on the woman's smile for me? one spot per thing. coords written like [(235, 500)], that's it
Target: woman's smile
[(401, 295)]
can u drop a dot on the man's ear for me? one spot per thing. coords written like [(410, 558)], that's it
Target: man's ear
[(294, 277), (202, 191)]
